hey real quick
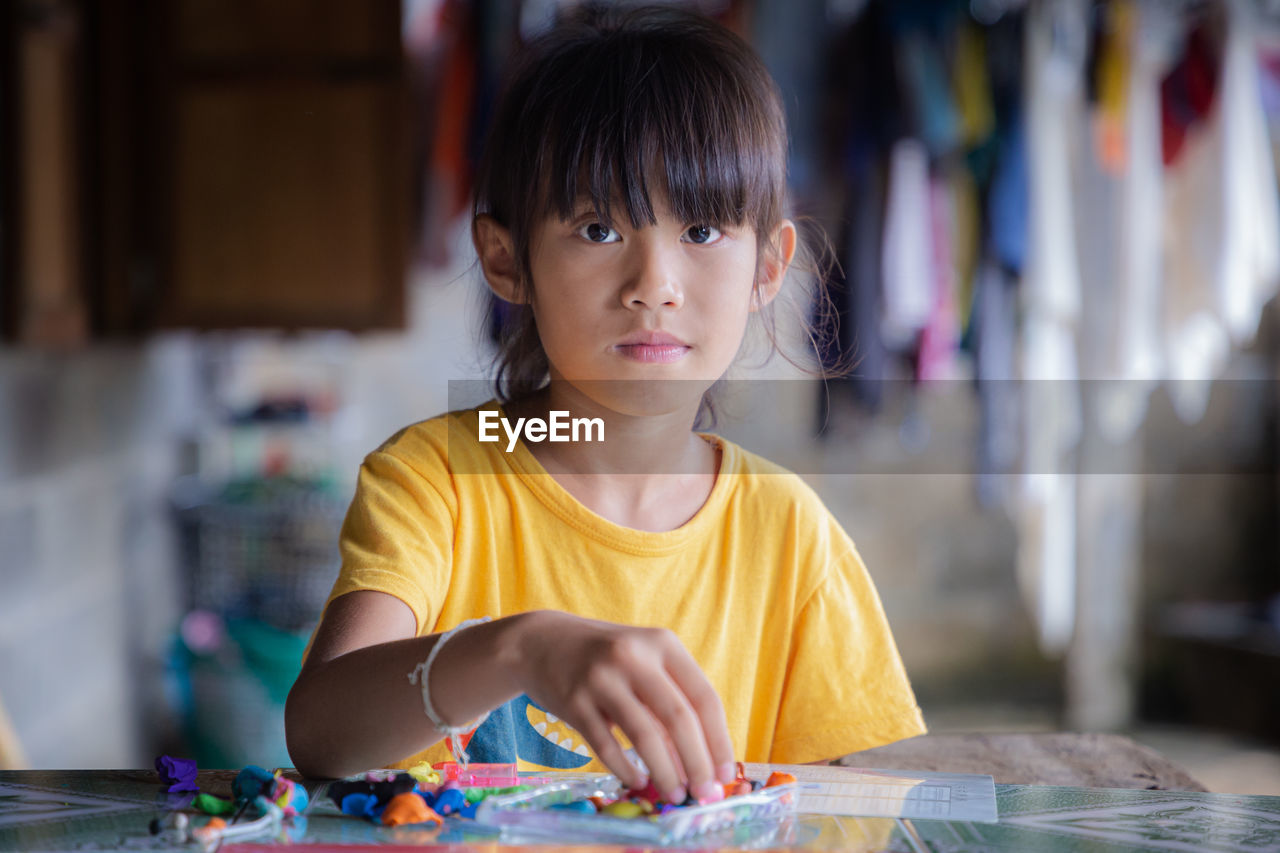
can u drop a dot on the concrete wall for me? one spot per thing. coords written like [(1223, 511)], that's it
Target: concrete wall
[(88, 449)]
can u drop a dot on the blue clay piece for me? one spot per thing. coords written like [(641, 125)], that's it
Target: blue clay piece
[(469, 810), (252, 782), (583, 806), (357, 805), (449, 801)]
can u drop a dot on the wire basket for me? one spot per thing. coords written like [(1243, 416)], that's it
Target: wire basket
[(263, 549)]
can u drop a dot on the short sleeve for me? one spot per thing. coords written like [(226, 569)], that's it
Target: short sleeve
[(846, 688), (398, 536)]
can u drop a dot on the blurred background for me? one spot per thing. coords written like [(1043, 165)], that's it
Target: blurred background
[(234, 258)]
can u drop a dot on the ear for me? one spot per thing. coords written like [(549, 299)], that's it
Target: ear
[(774, 263), (497, 258)]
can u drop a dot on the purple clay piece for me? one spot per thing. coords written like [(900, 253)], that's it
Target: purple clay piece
[(179, 774)]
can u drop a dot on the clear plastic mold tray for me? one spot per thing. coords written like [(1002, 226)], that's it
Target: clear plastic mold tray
[(530, 812)]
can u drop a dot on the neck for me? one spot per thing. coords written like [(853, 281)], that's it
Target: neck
[(651, 472)]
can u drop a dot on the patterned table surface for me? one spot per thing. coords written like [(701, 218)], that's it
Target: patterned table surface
[(94, 809)]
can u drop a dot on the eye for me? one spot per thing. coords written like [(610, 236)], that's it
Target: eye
[(702, 234), (595, 232)]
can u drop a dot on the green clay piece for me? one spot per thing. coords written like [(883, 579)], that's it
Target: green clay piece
[(475, 795), (209, 804)]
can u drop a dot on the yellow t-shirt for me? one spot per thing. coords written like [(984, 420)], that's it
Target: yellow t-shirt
[(762, 586)]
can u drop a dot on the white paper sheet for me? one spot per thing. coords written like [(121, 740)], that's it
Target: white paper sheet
[(859, 792)]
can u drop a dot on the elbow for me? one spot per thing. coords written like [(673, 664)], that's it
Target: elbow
[(302, 738)]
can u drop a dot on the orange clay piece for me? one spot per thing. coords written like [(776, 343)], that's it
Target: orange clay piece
[(409, 808), (739, 786), (777, 777), (210, 830)]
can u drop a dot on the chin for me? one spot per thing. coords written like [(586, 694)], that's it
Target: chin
[(648, 396)]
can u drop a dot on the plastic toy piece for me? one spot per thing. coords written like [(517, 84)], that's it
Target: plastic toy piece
[(477, 775)]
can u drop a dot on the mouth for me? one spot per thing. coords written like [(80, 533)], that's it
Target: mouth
[(550, 727), (652, 347)]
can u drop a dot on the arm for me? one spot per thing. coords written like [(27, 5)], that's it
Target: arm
[(353, 707)]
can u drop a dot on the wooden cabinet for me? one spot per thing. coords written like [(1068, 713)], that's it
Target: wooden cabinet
[(239, 163)]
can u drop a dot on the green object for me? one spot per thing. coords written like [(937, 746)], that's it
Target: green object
[(236, 694), (209, 804), (475, 795)]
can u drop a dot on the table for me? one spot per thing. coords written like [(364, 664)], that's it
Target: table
[(1085, 760), (48, 810)]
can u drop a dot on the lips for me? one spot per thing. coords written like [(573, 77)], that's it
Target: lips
[(653, 347)]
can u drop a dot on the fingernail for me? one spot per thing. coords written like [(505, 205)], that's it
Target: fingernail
[(727, 772), (677, 795), (709, 791)]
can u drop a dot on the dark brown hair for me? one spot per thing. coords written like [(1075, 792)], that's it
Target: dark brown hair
[(610, 105)]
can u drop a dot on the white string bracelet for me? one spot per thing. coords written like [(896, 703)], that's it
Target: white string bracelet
[(423, 671)]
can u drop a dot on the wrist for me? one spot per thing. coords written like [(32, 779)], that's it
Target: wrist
[(512, 644)]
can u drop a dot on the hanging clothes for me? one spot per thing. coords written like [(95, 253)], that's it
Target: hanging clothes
[(1249, 268), (862, 118), (1132, 360), (908, 264), (1195, 341), (1046, 562)]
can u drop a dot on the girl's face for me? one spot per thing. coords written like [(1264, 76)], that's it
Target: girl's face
[(664, 302)]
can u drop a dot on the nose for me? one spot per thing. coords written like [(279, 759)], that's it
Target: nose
[(653, 279)]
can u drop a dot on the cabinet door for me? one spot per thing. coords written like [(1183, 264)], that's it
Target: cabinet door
[(279, 179)]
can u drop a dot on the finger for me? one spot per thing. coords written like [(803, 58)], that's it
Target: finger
[(627, 711), (598, 732), (692, 682), (669, 706)]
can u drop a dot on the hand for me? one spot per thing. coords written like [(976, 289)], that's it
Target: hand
[(595, 675)]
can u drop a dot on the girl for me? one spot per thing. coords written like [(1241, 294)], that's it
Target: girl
[(660, 587)]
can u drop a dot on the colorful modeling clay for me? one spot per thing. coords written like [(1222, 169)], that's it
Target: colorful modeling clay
[(623, 808), (210, 831), (361, 805), (777, 777), (179, 774), (252, 782), (409, 808), (424, 774), (209, 804), (289, 796), (380, 786)]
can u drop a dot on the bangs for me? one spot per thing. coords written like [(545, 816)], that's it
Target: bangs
[(628, 114)]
